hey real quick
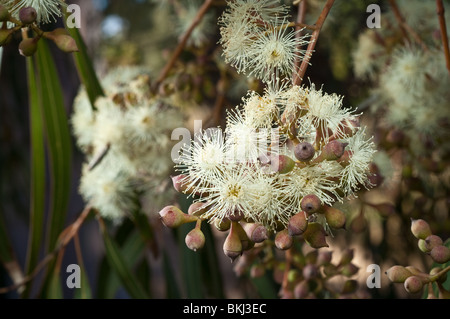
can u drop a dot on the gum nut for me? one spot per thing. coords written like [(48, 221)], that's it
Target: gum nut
[(304, 151), (310, 204), (232, 246), (398, 274), (440, 254), (413, 284), (27, 15), (315, 235), (432, 241), (297, 224), (335, 217), (283, 241)]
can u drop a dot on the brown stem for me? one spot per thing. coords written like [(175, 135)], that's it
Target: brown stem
[(300, 18), (65, 238), (201, 12), (406, 29), (288, 254), (442, 25), (312, 44)]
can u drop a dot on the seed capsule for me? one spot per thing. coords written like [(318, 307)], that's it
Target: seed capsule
[(335, 217), (297, 224), (27, 15), (304, 151), (282, 240), (315, 235), (310, 204), (413, 284)]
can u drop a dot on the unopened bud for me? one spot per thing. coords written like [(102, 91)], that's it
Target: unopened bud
[(195, 239), (172, 217), (235, 215), (232, 247), (222, 224), (310, 271), (301, 290), (324, 257), (432, 241), (297, 224), (423, 246), (27, 15), (310, 204), (440, 254), (256, 232), (4, 13), (28, 47), (245, 240), (281, 163), (335, 217), (315, 235), (420, 228), (5, 36), (413, 284), (304, 151), (347, 256), (332, 151), (179, 183), (283, 241), (398, 274)]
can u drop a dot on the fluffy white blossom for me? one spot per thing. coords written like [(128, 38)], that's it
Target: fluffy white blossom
[(47, 10)]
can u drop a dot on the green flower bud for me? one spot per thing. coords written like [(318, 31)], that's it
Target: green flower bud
[(283, 241), (413, 284), (304, 151), (4, 14), (28, 47), (172, 217), (222, 224), (398, 274), (420, 228), (281, 163), (195, 239), (297, 224), (232, 247), (315, 235), (335, 217), (27, 15), (310, 204), (440, 254)]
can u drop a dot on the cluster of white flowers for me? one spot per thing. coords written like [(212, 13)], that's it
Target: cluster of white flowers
[(280, 146), (257, 39), (125, 138), (47, 10)]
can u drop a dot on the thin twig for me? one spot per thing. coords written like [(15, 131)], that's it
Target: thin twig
[(300, 18), (406, 29), (65, 239), (287, 269), (443, 27), (201, 12), (312, 44)]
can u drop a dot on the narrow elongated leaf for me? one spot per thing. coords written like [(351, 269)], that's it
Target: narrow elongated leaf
[(85, 68), (213, 279), (173, 291), (117, 262), (7, 255), (37, 169), (58, 141)]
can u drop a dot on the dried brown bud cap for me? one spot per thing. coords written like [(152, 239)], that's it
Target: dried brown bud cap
[(398, 274), (413, 284), (232, 247), (172, 217), (440, 254), (256, 232), (28, 47), (335, 217), (420, 228), (195, 239), (297, 224), (310, 204), (283, 241), (4, 13), (315, 235), (281, 164), (304, 151), (27, 15)]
